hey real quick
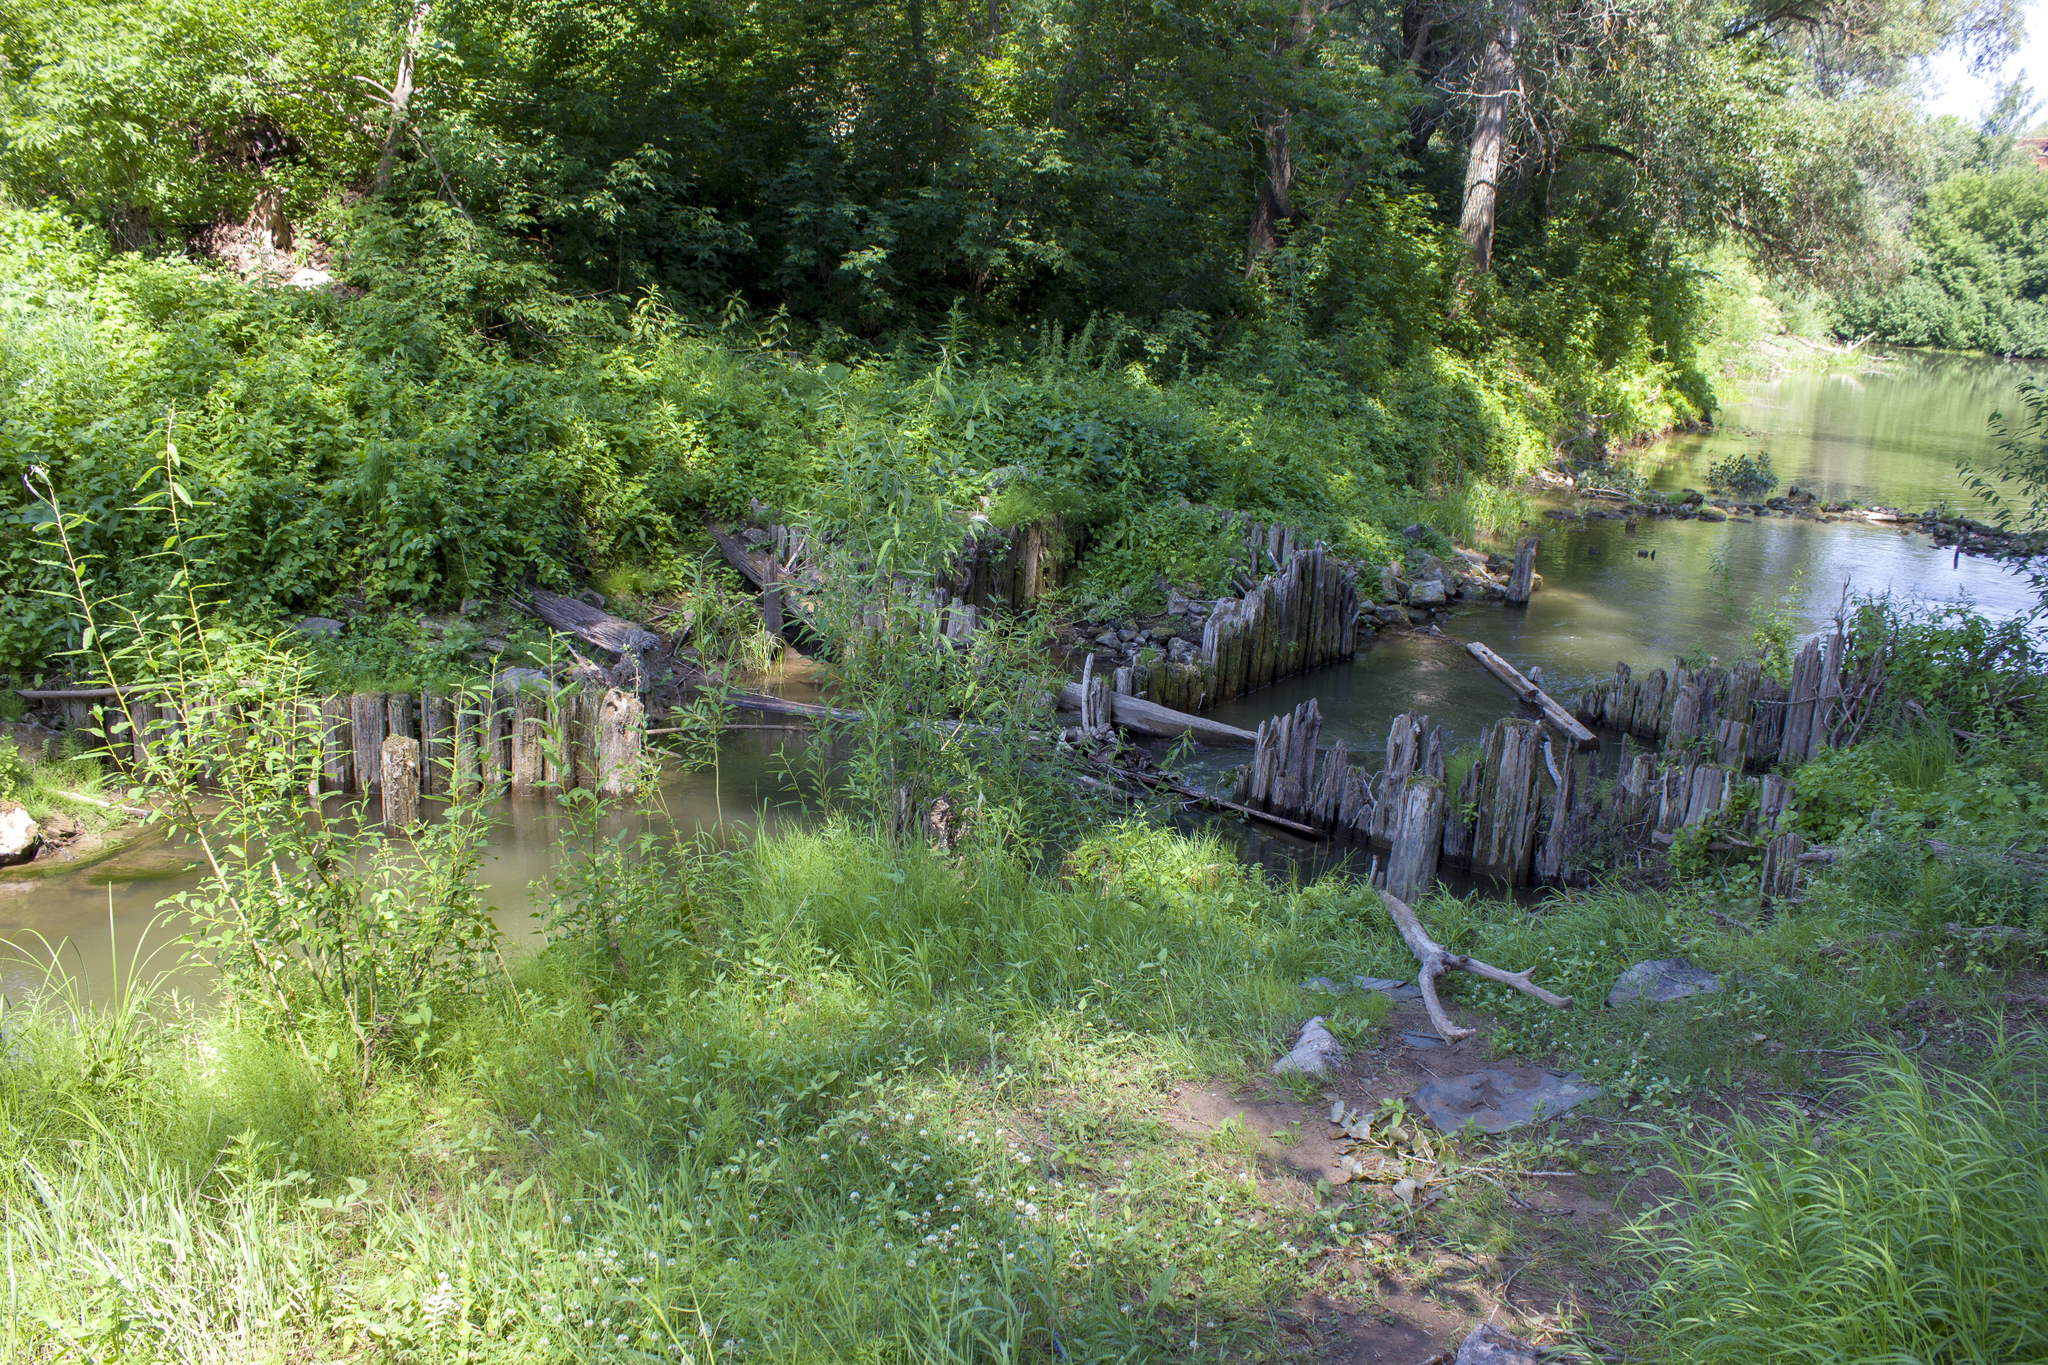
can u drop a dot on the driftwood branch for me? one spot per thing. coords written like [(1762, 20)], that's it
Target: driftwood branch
[(1436, 960)]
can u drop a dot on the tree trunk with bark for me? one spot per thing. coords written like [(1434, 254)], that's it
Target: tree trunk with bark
[(1498, 80)]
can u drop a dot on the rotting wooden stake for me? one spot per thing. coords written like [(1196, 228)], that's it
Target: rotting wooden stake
[(1436, 960), (399, 757)]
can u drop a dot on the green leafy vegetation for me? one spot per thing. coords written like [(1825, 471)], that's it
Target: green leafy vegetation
[(1908, 1228), (1746, 474)]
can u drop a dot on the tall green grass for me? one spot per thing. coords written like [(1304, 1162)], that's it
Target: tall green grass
[(822, 1098), (1915, 1228)]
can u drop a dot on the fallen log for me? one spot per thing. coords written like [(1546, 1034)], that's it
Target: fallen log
[(1214, 802), (633, 646), (1436, 960), (67, 693), (1560, 719), (1150, 718)]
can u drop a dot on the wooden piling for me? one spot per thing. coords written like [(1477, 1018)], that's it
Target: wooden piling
[(621, 741), (529, 720), (399, 766), (1521, 582), (1417, 841), (338, 755), (437, 743), (366, 737)]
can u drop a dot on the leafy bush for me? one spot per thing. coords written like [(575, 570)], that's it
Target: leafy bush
[(1747, 474)]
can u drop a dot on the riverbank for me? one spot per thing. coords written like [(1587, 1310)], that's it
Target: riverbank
[(834, 1095)]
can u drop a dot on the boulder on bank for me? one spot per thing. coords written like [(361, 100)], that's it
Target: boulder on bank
[(20, 837), (1662, 979), (1315, 1054)]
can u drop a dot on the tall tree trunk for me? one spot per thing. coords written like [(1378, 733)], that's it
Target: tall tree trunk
[(1497, 83), (401, 91), (1275, 202)]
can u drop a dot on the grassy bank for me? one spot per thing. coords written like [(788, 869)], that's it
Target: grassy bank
[(829, 1098)]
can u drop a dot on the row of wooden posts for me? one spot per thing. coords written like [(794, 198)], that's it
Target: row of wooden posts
[(1300, 618), (522, 733), (1523, 809), (1740, 715)]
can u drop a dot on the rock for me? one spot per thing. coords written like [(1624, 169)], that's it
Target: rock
[(1488, 1345), (1314, 1054), (1415, 532), (1495, 1101), (1109, 639), (1392, 615), (1390, 583), (1387, 986), (1709, 514), (20, 836), (324, 626), (1421, 1041), (470, 606), (1662, 979), (306, 277), (1426, 594)]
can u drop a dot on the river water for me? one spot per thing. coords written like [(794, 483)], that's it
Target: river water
[(1887, 434)]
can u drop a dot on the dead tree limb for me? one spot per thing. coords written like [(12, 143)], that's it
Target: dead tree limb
[(1436, 960)]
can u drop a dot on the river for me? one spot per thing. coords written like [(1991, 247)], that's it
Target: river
[(1886, 434)]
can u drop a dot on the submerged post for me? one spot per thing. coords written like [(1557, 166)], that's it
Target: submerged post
[(1522, 581), (400, 756), (621, 742)]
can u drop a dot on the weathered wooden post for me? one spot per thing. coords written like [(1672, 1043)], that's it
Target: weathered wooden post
[(399, 761), (437, 743), (338, 769), (366, 735), (472, 727), (529, 716), (1522, 581), (398, 714), (621, 743), (1418, 838)]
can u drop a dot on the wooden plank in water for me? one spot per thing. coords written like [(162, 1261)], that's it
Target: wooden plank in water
[(1150, 718), (1560, 719)]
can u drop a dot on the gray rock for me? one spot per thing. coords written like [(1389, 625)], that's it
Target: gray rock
[(1108, 639), (20, 836), (1488, 1345), (1428, 593), (1387, 986), (1495, 1101), (1421, 1041), (306, 277), (1662, 979), (1314, 1054), (325, 626)]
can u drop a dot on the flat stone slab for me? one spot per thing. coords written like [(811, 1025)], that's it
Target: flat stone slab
[(1662, 979), (1387, 986), (320, 625), (1496, 1101)]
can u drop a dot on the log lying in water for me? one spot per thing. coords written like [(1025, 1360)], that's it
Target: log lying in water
[(1150, 718), (631, 645), (1561, 720)]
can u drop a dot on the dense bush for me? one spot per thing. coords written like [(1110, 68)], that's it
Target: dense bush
[(1978, 280)]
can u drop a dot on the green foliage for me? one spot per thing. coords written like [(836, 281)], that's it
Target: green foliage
[(1978, 273), (1746, 474), (1896, 1235), (2016, 487)]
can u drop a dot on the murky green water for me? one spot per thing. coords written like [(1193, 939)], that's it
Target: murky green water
[(1890, 435)]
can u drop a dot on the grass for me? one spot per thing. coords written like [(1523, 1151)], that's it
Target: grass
[(827, 1098), (1912, 1228)]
